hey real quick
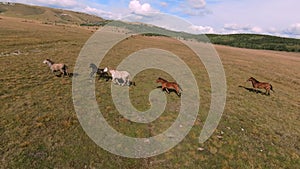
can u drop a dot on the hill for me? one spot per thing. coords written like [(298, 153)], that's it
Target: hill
[(250, 41), (59, 16), (255, 41), (39, 127), (46, 15)]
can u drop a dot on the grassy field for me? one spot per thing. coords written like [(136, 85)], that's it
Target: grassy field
[(39, 127)]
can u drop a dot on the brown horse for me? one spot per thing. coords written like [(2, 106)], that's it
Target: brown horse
[(169, 85), (261, 85)]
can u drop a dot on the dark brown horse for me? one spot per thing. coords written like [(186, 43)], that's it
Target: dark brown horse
[(261, 85), (169, 85), (101, 72)]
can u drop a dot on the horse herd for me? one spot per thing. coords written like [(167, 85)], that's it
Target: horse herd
[(122, 78)]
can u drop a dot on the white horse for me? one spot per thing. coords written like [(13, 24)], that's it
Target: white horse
[(124, 75), (57, 67)]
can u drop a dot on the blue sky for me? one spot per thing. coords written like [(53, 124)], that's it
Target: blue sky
[(274, 17)]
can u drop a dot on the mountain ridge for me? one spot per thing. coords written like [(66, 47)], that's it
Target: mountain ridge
[(49, 15)]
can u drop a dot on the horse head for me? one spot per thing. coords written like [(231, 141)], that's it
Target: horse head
[(250, 79), (253, 80), (159, 80), (105, 69), (48, 61), (92, 65)]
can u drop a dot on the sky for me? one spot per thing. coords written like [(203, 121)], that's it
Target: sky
[(272, 17)]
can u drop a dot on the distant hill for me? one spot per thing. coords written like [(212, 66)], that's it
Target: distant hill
[(251, 41), (255, 41), (59, 16), (46, 15)]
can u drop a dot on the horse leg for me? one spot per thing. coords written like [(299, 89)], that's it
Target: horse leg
[(53, 72), (128, 81), (91, 74), (268, 92), (62, 72), (167, 91), (108, 77), (178, 92), (117, 80), (124, 82), (162, 88), (113, 80), (99, 76), (67, 73), (105, 76)]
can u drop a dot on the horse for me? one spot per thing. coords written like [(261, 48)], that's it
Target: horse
[(169, 85), (123, 75), (261, 85), (101, 72), (54, 67), (131, 83)]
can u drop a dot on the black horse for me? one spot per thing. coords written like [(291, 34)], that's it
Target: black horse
[(102, 73)]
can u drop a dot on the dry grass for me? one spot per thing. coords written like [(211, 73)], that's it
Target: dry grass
[(39, 127)]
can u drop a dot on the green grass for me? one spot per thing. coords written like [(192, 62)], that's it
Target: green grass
[(39, 127)]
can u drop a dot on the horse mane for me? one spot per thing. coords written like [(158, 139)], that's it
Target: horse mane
[(50, 61), (92, 65), (162, 79), (254, 79)]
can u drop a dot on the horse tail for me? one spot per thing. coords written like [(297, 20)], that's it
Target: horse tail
[(65, 68), (271, 87), (128, 78), (179, 87)]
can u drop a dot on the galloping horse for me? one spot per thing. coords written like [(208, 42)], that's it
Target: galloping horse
[(124, 75), (169, 85), (261, 85), (54, 67), (101, 72)]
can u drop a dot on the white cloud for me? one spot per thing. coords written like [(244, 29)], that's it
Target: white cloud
[(98, 12), (136, 7), (60, 3), (238, 28), (164, 4), (293, 29), (256, 29), (193, 8), (197, 4), (63, 3), (201, 29)]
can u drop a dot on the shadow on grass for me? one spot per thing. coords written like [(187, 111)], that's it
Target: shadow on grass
[(254, 90), (70, 75), (106, 78)]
